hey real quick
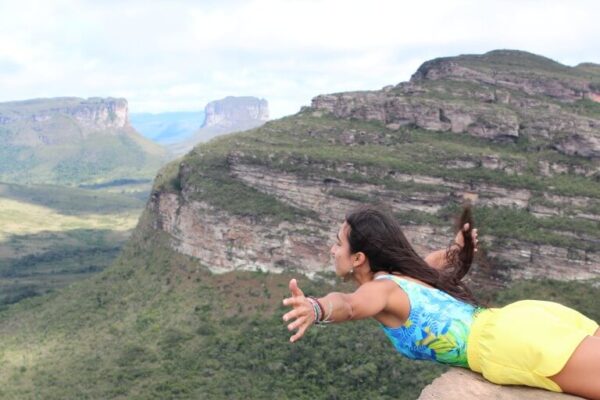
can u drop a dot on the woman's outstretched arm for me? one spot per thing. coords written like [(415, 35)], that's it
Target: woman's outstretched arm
[(368, 300)]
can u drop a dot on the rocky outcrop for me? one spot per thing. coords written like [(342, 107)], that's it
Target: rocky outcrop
[(461, 384), (498, 96), (233, 111)]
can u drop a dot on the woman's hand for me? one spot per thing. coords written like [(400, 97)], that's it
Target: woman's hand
[(460, 239), (303, 311)]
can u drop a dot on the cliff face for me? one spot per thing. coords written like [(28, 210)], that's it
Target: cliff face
[(224, 241), (273, 198)]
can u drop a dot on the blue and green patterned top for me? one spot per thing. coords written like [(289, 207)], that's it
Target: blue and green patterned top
[(437, 327)]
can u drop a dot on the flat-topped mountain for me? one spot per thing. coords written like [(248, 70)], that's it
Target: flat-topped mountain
[(501, 95), (231, 114), (94, 112), (73, 140), (233, 111)]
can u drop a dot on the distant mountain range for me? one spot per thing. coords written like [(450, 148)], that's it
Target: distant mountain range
[(169, 127), (70, 140)]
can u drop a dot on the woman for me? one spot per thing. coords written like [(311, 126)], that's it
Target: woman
[(429, 313)]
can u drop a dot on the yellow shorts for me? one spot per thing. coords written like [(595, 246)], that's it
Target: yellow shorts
[(525, 342)]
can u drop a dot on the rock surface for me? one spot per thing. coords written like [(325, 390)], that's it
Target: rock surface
[(461, 384)]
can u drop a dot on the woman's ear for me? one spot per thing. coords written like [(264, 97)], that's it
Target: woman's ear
[(358, 259)]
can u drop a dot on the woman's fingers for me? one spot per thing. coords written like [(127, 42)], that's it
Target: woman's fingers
[(295, 289), (300, 311), (298, 334), (292, 314), (292, 301), (296, 323)]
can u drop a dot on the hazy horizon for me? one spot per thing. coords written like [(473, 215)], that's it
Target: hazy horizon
[(177, 56)]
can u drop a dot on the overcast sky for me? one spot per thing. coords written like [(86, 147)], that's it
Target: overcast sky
[(178, 55)]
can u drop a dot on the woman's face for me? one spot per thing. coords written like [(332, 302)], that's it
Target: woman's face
[(341, 252)]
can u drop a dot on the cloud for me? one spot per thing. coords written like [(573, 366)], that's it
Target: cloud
[(179, 55)]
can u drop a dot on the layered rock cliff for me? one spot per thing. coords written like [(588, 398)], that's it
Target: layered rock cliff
[(272, 198)]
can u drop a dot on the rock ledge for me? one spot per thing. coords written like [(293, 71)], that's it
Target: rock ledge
[(461, 384)]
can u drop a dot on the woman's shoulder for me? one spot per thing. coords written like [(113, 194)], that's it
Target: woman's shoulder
[(397, 306)]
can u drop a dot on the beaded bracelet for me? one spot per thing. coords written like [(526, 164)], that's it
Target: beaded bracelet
[(316, 308), (322, 319)]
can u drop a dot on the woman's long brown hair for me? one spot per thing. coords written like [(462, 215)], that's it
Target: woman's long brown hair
[(378, 235)]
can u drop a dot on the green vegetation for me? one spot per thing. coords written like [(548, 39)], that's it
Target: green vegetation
[(585, 107), (155, 325), (51, 236), (71, 200), (70, 153), (519, 224)]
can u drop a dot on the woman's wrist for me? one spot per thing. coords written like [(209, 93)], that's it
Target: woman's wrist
[(321, 315), (317, 309)]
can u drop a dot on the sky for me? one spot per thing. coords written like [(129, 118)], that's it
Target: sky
[(178, 55)]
